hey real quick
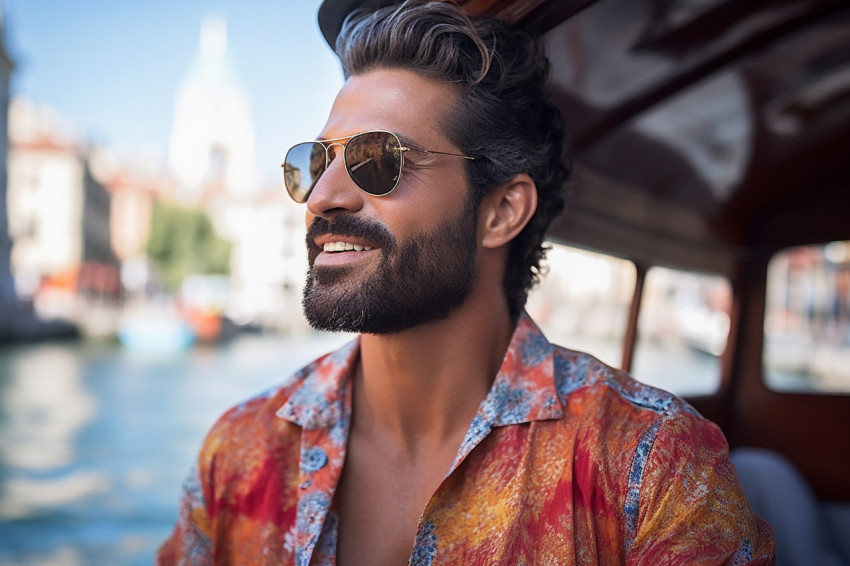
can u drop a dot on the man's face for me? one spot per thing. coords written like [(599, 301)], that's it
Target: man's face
[(414, 252)]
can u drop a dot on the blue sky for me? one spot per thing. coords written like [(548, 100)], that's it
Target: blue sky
[(112, 67)]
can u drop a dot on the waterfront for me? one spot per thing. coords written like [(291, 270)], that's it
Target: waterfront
[(96, 440)]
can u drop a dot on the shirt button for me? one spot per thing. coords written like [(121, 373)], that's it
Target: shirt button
[(313, 459)]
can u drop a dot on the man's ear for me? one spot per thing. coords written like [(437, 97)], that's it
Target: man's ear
[(506, 210)]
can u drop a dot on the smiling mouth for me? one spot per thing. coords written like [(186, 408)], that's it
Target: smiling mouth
[(334, 247)]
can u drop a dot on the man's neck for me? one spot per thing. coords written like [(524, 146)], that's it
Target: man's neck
[(421, 388)]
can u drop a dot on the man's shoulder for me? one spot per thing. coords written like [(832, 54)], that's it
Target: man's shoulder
[(613, 392), (624, 422)]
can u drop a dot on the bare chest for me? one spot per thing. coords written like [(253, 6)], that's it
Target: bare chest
[(379, 501)]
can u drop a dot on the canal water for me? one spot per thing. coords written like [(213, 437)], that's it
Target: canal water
[(95, 440)]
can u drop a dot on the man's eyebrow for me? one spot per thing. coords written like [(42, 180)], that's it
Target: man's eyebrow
[(327, 137), (407, 140)]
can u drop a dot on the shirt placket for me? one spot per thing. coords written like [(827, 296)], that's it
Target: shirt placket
[(500, 408), (320, 468), (322, 408), (425, 545)]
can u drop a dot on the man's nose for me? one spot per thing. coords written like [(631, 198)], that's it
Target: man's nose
[(334, 192)]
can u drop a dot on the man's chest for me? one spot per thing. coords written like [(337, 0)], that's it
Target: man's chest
[(380, 499)]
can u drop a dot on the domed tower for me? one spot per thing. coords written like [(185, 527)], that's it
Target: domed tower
[(212, 137)]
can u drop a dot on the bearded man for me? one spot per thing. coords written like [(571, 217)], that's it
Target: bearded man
[(450, 431)]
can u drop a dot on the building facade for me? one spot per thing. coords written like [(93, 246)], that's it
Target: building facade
[(59, 215), (7, 290)]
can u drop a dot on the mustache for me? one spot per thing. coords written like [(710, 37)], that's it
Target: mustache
[(346, 225)]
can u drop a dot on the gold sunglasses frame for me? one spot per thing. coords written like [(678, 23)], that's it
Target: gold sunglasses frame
[(343, 142)]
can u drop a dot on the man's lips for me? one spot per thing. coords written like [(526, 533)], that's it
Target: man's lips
[(346, 240), (335, 243), (334, 249)]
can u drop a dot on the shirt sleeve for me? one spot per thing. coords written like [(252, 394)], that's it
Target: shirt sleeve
[(189, 542), (690, 506)]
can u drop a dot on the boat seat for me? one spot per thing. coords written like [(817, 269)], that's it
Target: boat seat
[(807, 531)]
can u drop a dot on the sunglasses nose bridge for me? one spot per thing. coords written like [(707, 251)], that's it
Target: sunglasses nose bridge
[(334, 191), (330, 153)]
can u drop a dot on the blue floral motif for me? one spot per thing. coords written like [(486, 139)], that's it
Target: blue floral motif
[(312, 510), (630, 509), (310, 407), (689, 409), (506, 403), (316, 403), (535, 349), (643, 395), (425, 546), (192, 490), (570, 373), (744, 554), (479, 428), (339, 432), (313, 459), (198, 545)]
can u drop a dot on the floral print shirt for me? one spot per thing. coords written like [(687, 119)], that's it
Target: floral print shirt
[(567, 461)]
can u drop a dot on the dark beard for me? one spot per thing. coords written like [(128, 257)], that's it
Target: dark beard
[(418, 281)]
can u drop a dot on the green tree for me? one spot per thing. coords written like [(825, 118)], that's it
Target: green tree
[(184, 242)]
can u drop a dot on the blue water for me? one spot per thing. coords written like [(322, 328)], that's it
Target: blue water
[(96, 440)]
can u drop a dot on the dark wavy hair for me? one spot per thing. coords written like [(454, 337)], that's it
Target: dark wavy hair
[(504, 116)]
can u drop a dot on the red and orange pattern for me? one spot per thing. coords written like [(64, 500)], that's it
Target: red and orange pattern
[(568, 461)]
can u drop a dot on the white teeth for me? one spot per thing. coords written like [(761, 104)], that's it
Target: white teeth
[(344, 247)]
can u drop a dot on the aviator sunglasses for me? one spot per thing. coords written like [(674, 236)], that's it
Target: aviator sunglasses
[(374, 161)]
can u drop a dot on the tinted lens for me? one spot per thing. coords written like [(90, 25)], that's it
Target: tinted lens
[(373, 160), (303, 166)]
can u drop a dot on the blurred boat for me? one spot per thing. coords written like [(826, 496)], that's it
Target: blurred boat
[(155, 332)]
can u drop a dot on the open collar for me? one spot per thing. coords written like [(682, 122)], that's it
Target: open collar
[(320, 401), (523, 391)]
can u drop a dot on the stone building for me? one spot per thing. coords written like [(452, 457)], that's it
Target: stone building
[(59, 215), (7, 289)]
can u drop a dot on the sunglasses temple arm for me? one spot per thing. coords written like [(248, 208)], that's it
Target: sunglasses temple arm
[(442, 153)]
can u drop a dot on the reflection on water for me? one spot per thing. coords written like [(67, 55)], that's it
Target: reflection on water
[(45, 405), (95, 440)]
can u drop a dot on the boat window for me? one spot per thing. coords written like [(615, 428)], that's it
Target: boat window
[(807, 319), (683, 327), (583, 301)]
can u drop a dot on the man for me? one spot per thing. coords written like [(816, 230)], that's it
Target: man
[(450, 431)]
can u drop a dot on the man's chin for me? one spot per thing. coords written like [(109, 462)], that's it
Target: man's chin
[(329, 303), (331, 311), (332, 316)]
